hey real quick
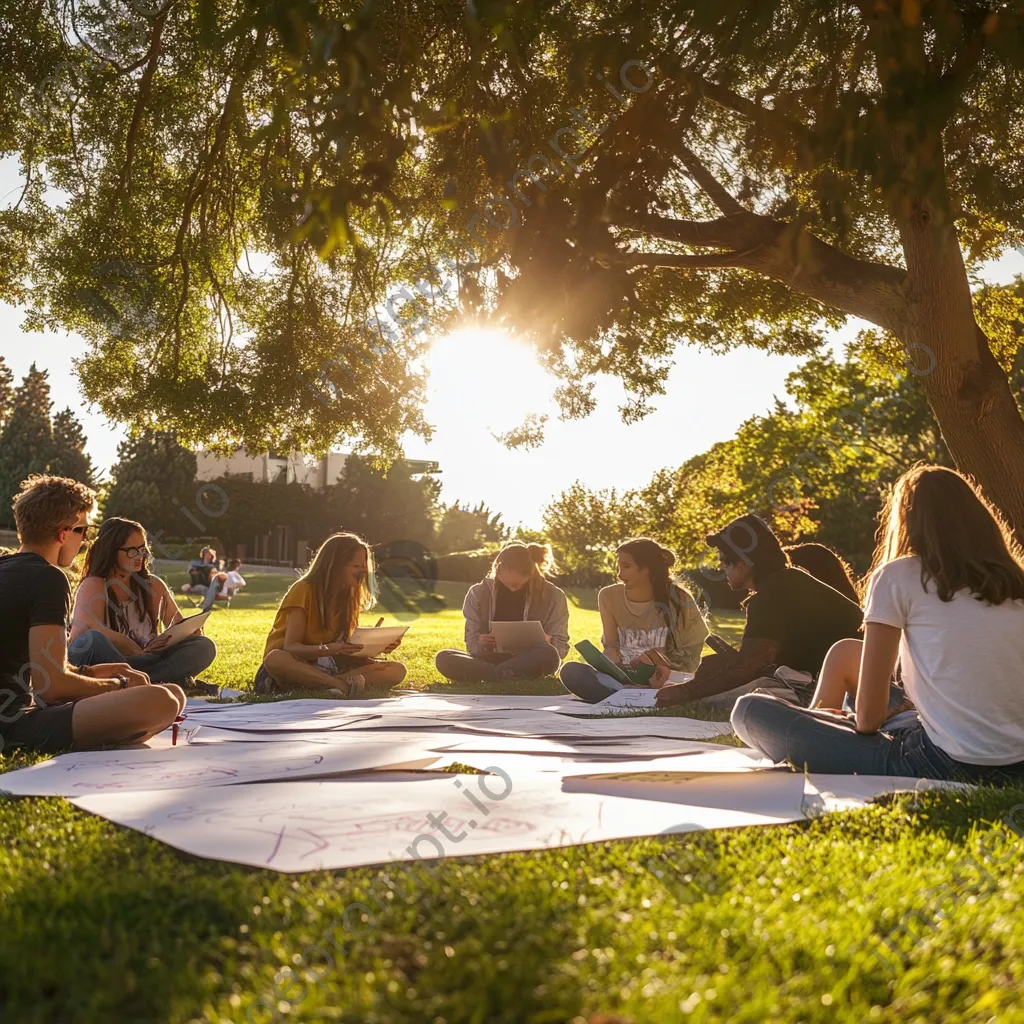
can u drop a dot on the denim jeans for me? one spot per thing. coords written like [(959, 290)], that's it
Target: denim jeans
[(462, 667), (816, 743), (584, 681), (174, 664)]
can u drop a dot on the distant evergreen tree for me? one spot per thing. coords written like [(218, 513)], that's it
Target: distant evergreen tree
[(26, 441), (69, 457), (6, 392), (152, 473)]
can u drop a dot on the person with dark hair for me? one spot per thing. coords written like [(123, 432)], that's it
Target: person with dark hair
[(515, 590), (120, 607), (646, 618), (308, 645), (826, 565), (45, 704), (792, 619), (946, 596)]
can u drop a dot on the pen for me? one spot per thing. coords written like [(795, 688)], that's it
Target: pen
[(174, 729), (380, 622)]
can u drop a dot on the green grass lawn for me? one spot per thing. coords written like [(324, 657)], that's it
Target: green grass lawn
[(101, 924)]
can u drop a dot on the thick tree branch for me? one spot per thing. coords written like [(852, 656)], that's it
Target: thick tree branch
[(141, 100), (786, 253), (716, 191)]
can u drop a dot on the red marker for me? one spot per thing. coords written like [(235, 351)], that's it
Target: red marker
[(174, 729)]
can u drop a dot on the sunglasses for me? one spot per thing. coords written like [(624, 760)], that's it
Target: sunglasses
[(136, 552), (88, 532)]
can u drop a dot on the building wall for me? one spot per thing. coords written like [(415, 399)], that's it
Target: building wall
[(266, 468)]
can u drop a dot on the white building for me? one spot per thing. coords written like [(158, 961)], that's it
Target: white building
[(272, 467)]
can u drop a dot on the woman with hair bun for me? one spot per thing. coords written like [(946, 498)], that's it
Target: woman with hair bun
[(515, 590), (647, 617)]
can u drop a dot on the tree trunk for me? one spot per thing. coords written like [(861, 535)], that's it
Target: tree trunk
[(967, 389)]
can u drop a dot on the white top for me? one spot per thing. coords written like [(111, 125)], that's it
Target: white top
[(963, 663), (232, 582)]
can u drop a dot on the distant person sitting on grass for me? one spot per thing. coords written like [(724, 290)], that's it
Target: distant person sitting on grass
[(45, 705), (308, 644), (120, 607), (515, 590), (201, 571), (792, 621), (947, 597), (826, 565), (647, 618), (224, 585)]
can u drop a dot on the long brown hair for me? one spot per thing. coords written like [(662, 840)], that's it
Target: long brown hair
[(532, 560), (963, 543), (668, 593), (338, 606), (825, 565), (101, 561)]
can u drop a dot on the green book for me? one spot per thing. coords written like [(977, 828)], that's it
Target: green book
[(627, 676)]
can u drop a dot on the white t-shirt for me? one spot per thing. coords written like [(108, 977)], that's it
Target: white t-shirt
[(232, 583), (963, 663)]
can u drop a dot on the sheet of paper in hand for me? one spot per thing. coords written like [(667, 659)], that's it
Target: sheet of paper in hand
[(180, 630), (375, 639), (513, 637)]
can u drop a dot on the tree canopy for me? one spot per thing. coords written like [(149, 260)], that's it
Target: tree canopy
[(268, 203)]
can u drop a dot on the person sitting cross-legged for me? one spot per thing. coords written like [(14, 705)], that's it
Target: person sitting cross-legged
[(308, 644), (120, 607), (45, 704), (792, 619), (947, 598), (514, 590)]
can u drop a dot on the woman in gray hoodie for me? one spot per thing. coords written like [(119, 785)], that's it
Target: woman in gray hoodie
[(515, 590)]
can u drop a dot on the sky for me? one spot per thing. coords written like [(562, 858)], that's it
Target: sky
[(481, 384)]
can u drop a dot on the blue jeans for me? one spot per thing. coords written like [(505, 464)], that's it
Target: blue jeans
[(585, 682), (783, 732), (462, 667), (171, 665)]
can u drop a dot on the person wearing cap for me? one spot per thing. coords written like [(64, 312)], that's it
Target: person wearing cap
[(792, 619)]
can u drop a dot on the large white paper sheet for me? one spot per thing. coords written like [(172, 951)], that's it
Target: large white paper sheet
[(663, 726), (103, 771), (306, 826)]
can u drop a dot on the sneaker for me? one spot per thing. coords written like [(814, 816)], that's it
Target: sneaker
[(356, 685)]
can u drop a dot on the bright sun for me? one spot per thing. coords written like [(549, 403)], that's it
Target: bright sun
[(485, 379)]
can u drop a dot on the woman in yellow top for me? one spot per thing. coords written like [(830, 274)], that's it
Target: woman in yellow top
[(308, 644)]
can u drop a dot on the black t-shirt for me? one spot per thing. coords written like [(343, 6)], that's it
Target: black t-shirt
[(32, 593), (509, 605), (803, 614)]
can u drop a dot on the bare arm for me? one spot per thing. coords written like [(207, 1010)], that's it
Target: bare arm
[(89, 615), (717, 674), (170, 613), (609, 632), (51, 676), (877, 662)]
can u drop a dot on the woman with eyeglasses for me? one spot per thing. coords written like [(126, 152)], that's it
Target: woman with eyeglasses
[(121, 607)]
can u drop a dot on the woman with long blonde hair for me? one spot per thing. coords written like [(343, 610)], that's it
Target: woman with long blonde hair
[(515, 590), (946, 597), (308, 645)]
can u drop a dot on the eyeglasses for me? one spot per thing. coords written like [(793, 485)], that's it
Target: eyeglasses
[(136, 552)]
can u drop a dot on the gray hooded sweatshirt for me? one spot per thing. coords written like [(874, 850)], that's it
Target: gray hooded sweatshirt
[(547, 605)]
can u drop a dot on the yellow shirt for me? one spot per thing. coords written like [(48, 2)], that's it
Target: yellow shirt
[(300, 595)]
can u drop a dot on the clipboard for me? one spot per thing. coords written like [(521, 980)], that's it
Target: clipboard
[(374, 639), (513, 637), (627, 676), (180, 630)]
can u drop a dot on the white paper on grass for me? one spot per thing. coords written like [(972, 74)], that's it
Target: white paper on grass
[(102, 771), (577, 763), (665, 727), (626, 700), (307, 826)]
